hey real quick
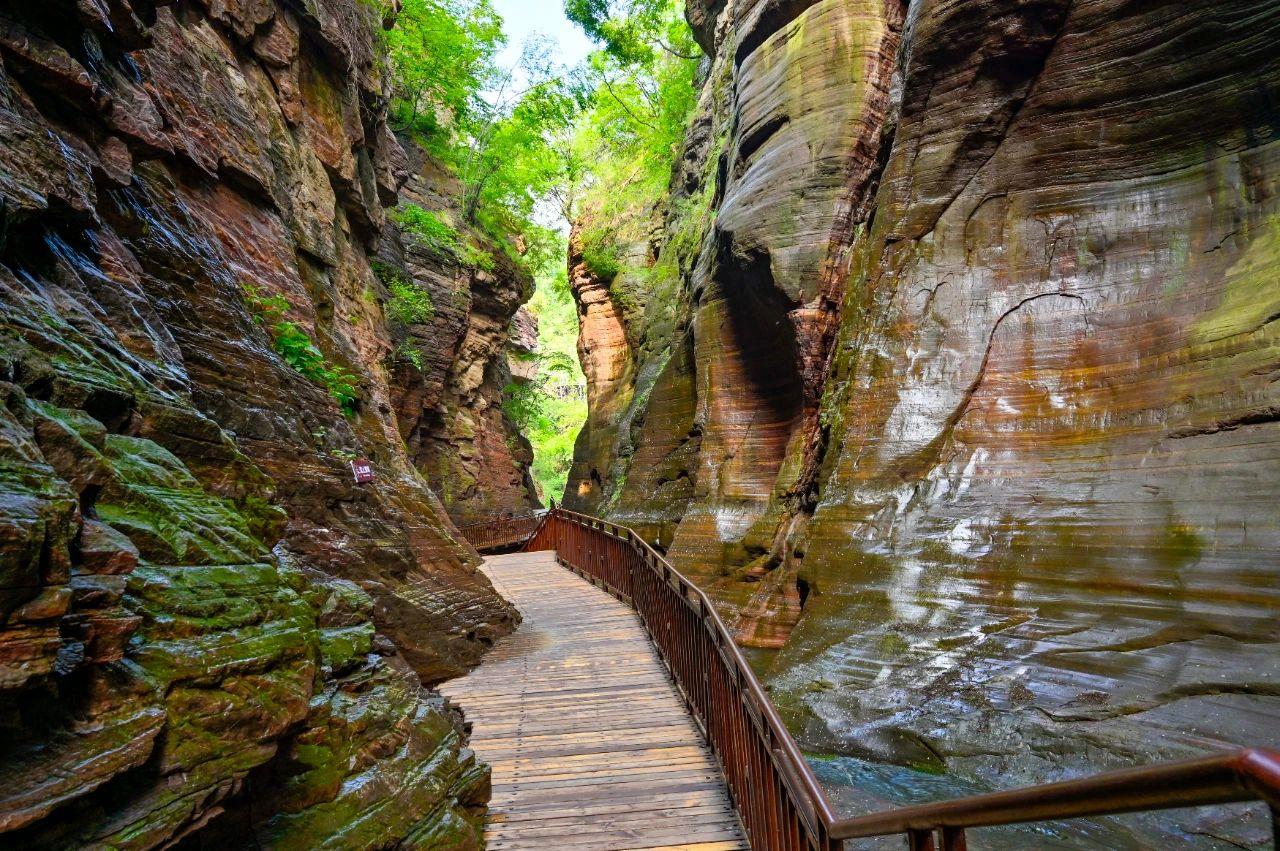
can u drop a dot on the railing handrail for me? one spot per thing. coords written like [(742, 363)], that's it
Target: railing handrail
[(1238, 776), (497, 521), (501, 532), (820, 805), (1244, 775)]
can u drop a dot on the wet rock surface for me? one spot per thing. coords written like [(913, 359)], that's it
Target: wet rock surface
[(968, 413), (208, 633)]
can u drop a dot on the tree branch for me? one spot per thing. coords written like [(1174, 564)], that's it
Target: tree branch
[(608, 85), (669, 49)]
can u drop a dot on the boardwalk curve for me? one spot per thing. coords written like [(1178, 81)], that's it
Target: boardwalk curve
[(590, 743)]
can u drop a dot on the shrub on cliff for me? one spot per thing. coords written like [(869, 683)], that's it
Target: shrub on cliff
[(600, 254), (409, 304), (437, 235), (429, 227), (298, 350)]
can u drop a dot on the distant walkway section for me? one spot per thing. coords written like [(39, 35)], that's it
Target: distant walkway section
[(590, 743)]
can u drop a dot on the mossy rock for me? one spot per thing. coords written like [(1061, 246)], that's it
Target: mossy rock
[(165, 511), (341, 647)]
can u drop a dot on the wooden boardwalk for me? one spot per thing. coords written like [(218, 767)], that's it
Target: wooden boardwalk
[(590, 744)]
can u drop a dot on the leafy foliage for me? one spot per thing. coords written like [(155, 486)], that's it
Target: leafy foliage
[(551, 409), (600, 253), (298, 350), (496, 128), (442, 53), (409, 304), (634, 32), (597, 140), (429, 227), (439, 236), (410, 353)]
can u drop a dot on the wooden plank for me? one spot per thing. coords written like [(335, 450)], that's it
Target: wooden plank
[(702, 846), (547, 817), (605, 837), (590, 744)]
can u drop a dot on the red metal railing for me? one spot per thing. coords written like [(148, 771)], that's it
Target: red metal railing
[(780, 802), (502, 533)]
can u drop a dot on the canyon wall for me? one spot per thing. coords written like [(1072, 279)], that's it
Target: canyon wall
[(963, 396), (450, 371), (208, 631)]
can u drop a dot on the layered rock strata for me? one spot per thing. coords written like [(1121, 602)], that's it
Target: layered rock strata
[(207, 629), (972, 412)]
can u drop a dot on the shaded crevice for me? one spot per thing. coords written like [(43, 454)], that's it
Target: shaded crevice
[(772, 17), (802, 588), (755, 140), (89, 501), (767, 347), (1262, 416), (854, 221), (1127, 710)]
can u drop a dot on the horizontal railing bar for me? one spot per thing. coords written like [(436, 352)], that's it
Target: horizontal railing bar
[(1231, 778), (501, 521), (501, 533), (753, 738)]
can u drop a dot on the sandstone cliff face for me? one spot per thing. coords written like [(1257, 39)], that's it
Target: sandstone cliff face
[(976, 404), (206, 629), (781, 157), (450, 371)]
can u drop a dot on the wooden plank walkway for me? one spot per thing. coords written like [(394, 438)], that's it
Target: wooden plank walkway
[(590, 744)]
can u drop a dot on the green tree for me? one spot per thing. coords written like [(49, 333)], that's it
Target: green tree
[(442, 55), (634, 31), (515, 153), (644, 91)]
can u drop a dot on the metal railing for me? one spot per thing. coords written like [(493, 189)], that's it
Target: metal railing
[(778, 798), (501, 533)]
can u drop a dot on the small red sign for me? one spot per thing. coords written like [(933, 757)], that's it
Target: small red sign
[(362, 470)]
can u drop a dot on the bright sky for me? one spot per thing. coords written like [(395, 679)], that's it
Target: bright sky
[(523, 18)]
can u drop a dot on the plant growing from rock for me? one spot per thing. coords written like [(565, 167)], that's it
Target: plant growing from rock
[(430, 228), (298, 350), (410, 304), (437, 235), (600, 254), (406, 351)]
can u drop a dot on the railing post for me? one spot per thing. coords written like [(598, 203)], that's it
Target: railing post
[(953, 839), (920, 840)]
